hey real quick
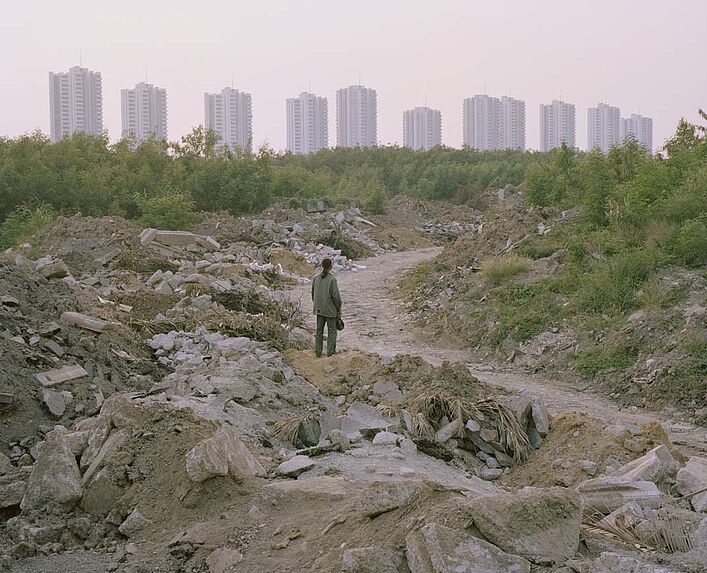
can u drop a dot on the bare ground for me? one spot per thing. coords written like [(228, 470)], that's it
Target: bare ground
[(375, 322)]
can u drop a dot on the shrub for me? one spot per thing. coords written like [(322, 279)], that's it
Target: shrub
[(174, 212), (690, 245), (600, 358), (416, 277), (502, 268), (23, 222)]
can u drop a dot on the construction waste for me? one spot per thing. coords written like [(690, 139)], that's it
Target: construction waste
[(160, 411)]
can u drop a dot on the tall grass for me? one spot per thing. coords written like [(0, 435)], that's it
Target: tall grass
[(501, 269)]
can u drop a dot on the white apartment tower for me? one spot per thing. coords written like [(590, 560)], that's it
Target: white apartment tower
[(557, 125), (481, 121), (640, 127), (356, 117), (307, 124), (230, 115), (75, 103), (604, 127), (511, 124), (144, 112), (422, 128)]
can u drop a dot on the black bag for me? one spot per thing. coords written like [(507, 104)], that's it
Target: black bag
[(340, 323)]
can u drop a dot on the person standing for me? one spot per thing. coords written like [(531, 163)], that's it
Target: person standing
[(327, 308)]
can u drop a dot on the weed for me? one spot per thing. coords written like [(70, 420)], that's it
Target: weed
[(655, 296), (501, 269), (415, 277), (23, 222), (604, 357)]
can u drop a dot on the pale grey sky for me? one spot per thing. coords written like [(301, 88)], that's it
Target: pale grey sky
[(645, 56)]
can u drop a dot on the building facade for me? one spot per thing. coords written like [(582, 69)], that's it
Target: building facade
[(480, 122), (307, 124), (557, 125), (230, 115), (639, 127), (144, 112), (604, 127), (75, 103), (356, 117), (511, 124), (422, 128)]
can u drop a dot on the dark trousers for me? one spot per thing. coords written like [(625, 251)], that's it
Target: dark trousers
[(330, 321)]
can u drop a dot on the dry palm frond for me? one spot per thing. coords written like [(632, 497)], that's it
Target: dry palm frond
[(511, 435), (421, 426), (288, 428), (388, 410), (670, 534), (593, 521), (196, 289)]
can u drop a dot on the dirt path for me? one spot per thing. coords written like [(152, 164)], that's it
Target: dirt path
[(375, 322)]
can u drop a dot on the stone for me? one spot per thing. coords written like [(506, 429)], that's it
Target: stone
[(55, 269), (447, 432), (388, 391), (110, 447), (361, 417), (588, 467), (438, 549), (54, 347), (101, 494), (55, 476), (5, 465), (540, 524), (134, 523), (473, 425), (11, 494), (337, 437), (520, 405), (627, 515), (221, 455), (620, 563), (386, 439), (605, 494), (10, 301), (87, 322), (49, 328), (540, 417), (324, 488), (60, 375), (384, 496), (147, 236), (655, 466), (373, 560), (535, 438), (221, 560), (54, 401), (295, 466), (490, 474), (693, 478)]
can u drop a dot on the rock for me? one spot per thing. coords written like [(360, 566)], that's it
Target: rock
[(101, 494), (5, 465), (134, 523), (55, 476), (628, 515), (110, 447), (49, 328), (11, 493), (295, 466), (222, 559), (361, 417), (221, 455), (54, 401), (60, 375), (385, 496), (389, 391), (619, 563), (541, 524), (605, 494), (535, 438), (447, 432), (438, 549), (473, 425), (337, 437), (588, 467), (693, 478), (655, 466), (386, 439), (87, 322), (490, 474), (373, 560), (323, 488), (55, 348), (53, 269), (540, 417)]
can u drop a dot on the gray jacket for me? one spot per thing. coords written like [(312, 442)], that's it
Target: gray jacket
[(325, 295)]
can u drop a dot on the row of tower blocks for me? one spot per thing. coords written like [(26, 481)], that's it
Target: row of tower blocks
[(489, 123)]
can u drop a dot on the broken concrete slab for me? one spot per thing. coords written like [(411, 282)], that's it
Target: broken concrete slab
[(53, 269), (540, 524), (221, 560), (55, 476), (54, 401), (361, 417), (221, 455), (628, 515), (448, 431), (87, 322), (605, 494), (54, 347), (373, 560), (693, 478), (49, 328), (295, 466), (438, 549), (656, 465), (61, 375), (111, 446), (134, 523)]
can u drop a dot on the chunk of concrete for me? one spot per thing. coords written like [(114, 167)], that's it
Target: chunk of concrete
[(448, 431), (654, 466), (55, 269), (361, 417), (221, 560), (295, 466), (101, 494), (54, 401), (693, 478), (174, 238), (147, 236), (11, 493), (438, 549), (540, 524), (221, 455), (61, 375), (87, 322), (386, 439), (605, 494), (110, 447), (55, 476), (540, 417), (628, 515), (373, 560), (134, 523)]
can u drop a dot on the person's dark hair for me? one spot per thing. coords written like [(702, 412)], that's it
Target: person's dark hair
[(326, 266)]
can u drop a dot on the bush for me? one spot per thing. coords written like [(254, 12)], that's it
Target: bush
[(173, 212), (600, 358), (690, 245), (23, 222), (501, 269)]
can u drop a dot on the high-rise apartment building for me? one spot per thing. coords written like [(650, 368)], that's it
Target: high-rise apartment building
[(356, 117), (481, 121), (75, 103), (144, 112), (557, 125), (604, 127), (230, 115), (422, 128), (307, 124), (640, 127), (511, 124)]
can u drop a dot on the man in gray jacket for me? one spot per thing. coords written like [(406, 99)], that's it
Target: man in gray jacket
[(327, 307)]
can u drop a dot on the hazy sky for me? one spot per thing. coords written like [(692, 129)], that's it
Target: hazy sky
[(645, 56)]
